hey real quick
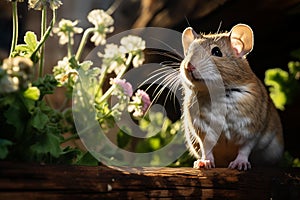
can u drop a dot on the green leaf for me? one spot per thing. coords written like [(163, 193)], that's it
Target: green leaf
[(283, 86), (46, 84), (123, 138), (31, 40), (154, 143), (68, 155), (22, 48), (28, 48), (294, 68), (4, 144), (30, 105), (32, 93), (296, 162), (86, 65), (279, 98), (16, 116), (73, 63), (276, 76), (277, 79), (87, 159), (47, 143), (39, 119)]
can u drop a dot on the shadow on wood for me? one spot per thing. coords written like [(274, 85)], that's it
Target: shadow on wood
[(33, 181)]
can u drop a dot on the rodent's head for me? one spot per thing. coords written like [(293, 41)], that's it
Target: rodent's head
[(217, 57)]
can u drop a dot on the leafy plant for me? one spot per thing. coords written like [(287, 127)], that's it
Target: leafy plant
[(283, 85), (31, 129)]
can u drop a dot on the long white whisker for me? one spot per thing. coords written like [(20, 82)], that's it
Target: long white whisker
[(158, 72), (166, 80), (167, 54), (169, 82), (162, 77), (170, 63), (172, 49), (173, 86)]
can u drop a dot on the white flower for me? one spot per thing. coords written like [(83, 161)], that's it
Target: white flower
[(39, 4), (64, 73), (103, 25), (140, 104), (113, 58), (66, 30), (132, 44), (138, 60), (111, 51), (15, 73)]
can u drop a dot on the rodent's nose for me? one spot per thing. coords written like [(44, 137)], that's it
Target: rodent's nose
[(189, 67)]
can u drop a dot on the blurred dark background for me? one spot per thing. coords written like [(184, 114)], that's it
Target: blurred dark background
[(276, 26)]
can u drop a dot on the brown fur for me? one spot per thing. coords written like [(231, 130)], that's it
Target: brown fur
[(252, 127)]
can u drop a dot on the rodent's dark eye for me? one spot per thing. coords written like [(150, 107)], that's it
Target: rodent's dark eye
[(216, 52)]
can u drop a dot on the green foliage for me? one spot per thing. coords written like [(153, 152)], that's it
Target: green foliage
[(4, 144), (45, 84), (33, 130), (159, 132), (283, 85), (289, 161), (27, 49), (123, 138), (87, 159)]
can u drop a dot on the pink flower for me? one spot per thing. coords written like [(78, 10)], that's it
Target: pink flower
[(123, 85), (139, 104), (145, 99)]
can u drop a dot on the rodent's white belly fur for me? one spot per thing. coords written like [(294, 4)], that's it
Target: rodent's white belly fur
[(229, 122), (226, 119)]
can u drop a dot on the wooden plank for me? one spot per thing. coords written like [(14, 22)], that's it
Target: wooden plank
[(33, 181)]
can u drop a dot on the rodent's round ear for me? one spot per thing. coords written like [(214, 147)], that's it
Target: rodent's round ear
[(242, 39), (188, 36)]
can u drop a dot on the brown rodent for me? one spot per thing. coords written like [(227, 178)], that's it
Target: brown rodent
[(228, 116)]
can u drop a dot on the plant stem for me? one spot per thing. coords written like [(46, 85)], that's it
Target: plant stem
[(84, 39), (101, 81), (75, 136), (113, 7), (64, 104), (43, 30), (107, 94), (15, 27), (45, 36), (70, 45)]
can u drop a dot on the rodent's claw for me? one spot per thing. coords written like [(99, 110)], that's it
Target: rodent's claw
[(240, 165), (207, 164)]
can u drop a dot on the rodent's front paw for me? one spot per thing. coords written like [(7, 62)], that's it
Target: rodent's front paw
[(200, 163), (240, 164)]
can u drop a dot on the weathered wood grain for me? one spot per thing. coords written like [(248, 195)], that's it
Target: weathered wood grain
[(33, 181)]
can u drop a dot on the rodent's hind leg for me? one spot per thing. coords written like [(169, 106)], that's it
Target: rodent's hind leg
[(206, 163), (241, 163)]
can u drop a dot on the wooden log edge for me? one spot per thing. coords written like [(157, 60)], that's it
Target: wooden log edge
[(35, 181)]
